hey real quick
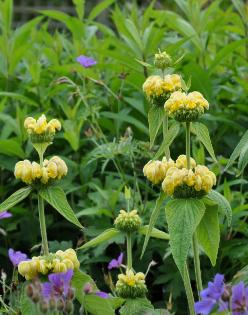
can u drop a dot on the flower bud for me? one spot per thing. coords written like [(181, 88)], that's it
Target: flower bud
[(44, 306), (131, 285), (52, 304), (88, 288), (69, 307), (128, 221), (30, 290), (60, 304), (162, 60)]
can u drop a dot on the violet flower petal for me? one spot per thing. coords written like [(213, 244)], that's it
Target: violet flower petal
[(102, 294), (85, 61), (16, 257), (5, 215)]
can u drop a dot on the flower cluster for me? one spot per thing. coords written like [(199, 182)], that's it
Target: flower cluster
[(155, 171), (61, 261), (179, 181), (52, 169), (128, 221), (40, 130), (186, 107), (219, 298), (131, 285), (158, 90), (54, 295)]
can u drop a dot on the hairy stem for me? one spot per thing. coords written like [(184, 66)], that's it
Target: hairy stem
[(188, 289), (129, 251), (165, 131)]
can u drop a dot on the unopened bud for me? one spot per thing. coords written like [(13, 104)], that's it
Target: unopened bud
[(52, 304), (60, 305), (44, 307), (88, 288), (69, 307), (35, 297), (30, 290), (162, 60), (71, 294)]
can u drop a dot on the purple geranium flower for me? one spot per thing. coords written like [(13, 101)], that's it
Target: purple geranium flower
[(239, 302), (102, 294), (211, 297), (116, 263), (85, 61), (16, 257), (5, 215), (58, 285)]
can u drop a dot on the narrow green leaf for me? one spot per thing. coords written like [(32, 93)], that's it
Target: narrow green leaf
[(155, 118), (56, 197), (243, 141), (153, 220), (222, 202), (208, 233), (202, 134), (99, 8), (12, 148), (19, 97), (183, 217), (156, 233), (15, 198), (103, 237), (243, 159), (168, 139)]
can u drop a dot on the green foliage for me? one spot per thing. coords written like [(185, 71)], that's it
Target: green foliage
[(103, 237), (222, 203), (15, 198), (155, 120)]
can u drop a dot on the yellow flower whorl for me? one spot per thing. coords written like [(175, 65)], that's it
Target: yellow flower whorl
[(131, 285), (155, 171), (61, 261), (186, 107), (158, 90), (128, 221)]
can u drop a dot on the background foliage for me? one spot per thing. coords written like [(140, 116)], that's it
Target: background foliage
[(105, 138)]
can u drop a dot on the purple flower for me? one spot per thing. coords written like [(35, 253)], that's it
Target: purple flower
[(239, 302), (16, 257), (116, 263), (85, 61), (58, 285), (5, 215), (102, 294), (211, 297)]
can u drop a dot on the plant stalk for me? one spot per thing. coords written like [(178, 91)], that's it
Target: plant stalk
[(195, 241), (165, 131), (188, 289), (42, 218), (129, 251)]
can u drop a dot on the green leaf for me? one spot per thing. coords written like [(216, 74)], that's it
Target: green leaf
[(243, 141), (15, 198), (222, 202), (103, 237), (183, 217), (168, 139), (208, 233), (12, 148), (79, 280), (56, 197), (202, 134), (155, 118), (156, 233), (19, 97), (153, 220), (96, 305), (99, 8), (136, 307), (243, 159)]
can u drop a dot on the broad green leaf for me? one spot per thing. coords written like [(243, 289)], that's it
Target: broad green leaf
[(208, 233), (153, 220), (243, 158), (103, 237), (79, 280), (99, 8), (56, 197), (224, 205), (15, 198), (156, 233), (183, 217), (96, 305), (155, 118), (136, 307), (12, 148), (243, 141), (168, 139), (202, 134)]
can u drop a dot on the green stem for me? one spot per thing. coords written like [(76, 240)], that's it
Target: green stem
[(195, 242), (165, 131), (197, 264), (188, 289), (129, 251), (42, 218)]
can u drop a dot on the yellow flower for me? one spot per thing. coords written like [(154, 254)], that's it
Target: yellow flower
[(23, 171), (181, 162), (41, 126), (53, 125)]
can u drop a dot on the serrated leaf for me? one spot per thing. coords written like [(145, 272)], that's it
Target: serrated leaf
[(153, 220), (202, 134), (15, 198), (156, 233), (12, 148), (222, 202), (56, 197), (183, 217), (103, 237), (208, 233), (236, 152), (168, 139), (155, 118), (136, 307)]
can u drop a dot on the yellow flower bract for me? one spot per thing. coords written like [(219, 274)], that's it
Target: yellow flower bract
[(41, 126), (28, 172), (155, 85), (131, 279), (155, 171), (61, 261)]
